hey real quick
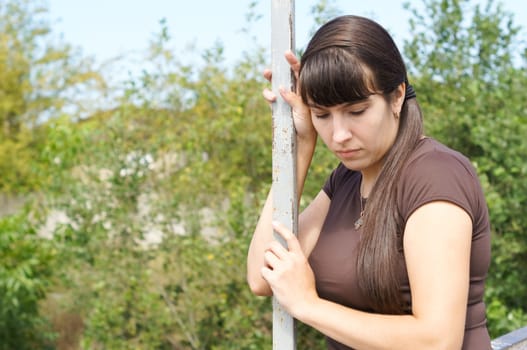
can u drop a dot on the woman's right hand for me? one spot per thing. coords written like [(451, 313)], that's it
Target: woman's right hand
[(301, 112)]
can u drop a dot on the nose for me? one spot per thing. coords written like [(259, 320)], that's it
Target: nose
[(341, 132)]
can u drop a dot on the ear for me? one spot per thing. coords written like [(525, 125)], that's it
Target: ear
[(398, 98)]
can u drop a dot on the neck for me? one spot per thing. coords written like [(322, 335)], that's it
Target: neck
[(368, 181)]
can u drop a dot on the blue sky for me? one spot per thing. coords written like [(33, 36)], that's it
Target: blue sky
[(107, 28)]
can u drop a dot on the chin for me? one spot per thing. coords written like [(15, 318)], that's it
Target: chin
[(351, 165)]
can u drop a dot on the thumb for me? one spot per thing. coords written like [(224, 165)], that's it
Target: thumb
[(293, 245), (293, 99)]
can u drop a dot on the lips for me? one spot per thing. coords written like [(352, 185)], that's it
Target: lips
[(348, 153)]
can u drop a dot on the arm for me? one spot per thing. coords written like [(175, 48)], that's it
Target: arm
[(310, 221), (263, 233), (437, 243)]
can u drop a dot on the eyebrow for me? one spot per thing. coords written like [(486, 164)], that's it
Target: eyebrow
[(346, 104), (313, 105)]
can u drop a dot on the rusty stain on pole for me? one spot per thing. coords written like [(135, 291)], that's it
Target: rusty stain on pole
[(285, 208)]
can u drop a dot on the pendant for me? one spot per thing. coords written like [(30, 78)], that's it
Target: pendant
[(359, 222)]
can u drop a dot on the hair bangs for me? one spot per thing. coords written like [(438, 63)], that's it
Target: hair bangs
[(332, 77)]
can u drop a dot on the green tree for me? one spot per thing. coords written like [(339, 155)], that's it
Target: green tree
[(469, 76), (26, 265), (186, 155), (39, 77), (148, 165), (323, 11)]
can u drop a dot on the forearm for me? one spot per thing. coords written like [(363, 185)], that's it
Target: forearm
[(263, 233), (362, 330)]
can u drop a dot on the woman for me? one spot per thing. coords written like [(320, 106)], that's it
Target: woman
[(393, 251)]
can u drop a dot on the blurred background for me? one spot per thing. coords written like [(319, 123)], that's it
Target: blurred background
[(134, 160)]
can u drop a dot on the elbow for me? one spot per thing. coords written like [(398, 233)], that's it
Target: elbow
[(259, 286), (453, 343), (447, 340), (439, 344), (436, 332)]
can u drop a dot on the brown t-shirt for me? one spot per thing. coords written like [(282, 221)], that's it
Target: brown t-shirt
[(433, 172)]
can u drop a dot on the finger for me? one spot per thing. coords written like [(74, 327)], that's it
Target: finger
[(293, 62), (277, 249), (292, 242), (269, 95), (291, 98), (266, 273), (271, 260), (268, 74)]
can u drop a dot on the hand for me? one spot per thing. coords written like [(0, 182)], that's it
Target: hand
[(288, 273), (301, 113)]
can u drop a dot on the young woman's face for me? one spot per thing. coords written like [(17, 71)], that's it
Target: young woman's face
[(359, 134)]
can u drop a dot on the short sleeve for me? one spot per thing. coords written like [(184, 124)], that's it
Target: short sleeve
[(438, 176), (339, 176)]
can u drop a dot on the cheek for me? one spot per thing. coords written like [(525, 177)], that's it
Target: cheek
[(323, 130), (315, 121), (385, 127), (389, 134), (318, 125)]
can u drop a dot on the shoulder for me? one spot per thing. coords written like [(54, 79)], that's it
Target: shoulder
[(431, 155), (340, 177), (435, 172)]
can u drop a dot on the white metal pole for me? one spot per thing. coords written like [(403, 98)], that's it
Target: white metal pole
[(285, 208)]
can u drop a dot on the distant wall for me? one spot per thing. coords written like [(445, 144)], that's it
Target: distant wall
[(10, 204), (515, 340)]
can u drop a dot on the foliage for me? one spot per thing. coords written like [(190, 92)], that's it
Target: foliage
[(470, 85), (160, 193), (139, 295), (323, 11), (26, 264), (38, 78)]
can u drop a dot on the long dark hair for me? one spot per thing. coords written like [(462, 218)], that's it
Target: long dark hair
[(347, 60)]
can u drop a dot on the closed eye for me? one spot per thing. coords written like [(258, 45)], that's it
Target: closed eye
[(357, 113), (321, 115)]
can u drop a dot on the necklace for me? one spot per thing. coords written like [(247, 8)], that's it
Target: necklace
[(360, 220)]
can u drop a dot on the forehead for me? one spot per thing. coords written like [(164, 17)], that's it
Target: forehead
[(313, 105), (335, 76)]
